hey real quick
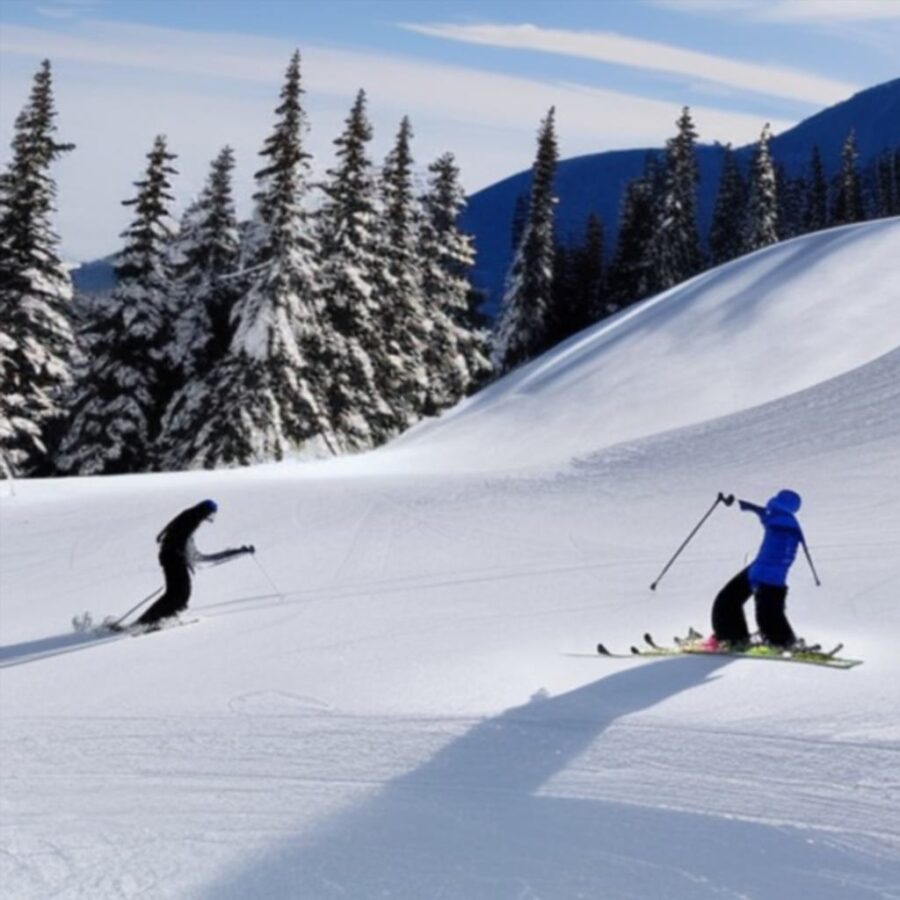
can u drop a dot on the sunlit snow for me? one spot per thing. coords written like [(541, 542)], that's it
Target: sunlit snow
[(398, 696)]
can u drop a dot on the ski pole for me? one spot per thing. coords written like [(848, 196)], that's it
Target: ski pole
[(121, 619), (720, 499), (267, 577), (809, 560)]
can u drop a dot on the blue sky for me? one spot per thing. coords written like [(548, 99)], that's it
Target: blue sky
[(475, 78)]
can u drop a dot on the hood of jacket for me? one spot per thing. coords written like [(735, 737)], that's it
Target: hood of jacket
[(785, 501)]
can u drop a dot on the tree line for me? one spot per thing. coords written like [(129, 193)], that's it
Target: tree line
[(304, 331), (341, 313), (555, 288)]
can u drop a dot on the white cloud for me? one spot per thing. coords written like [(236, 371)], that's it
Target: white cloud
[(799, 11), (56, 12), (118, 86), (455, 92), (67, 9), (608, 47)]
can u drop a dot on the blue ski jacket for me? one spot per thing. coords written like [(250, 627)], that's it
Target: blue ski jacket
[(781, 539)]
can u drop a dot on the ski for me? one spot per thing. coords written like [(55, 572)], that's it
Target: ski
[(110, 626), (813, 655), (164, 625), (602, 650), (137, 630)]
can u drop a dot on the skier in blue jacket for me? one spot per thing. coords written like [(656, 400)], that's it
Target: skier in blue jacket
[(765, 578)]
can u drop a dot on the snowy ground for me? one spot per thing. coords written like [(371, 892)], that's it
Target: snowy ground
[(401, 700)]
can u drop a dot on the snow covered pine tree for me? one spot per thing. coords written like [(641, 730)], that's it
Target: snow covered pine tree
[(361, 416), (125, 382), (761, 219), (521, 332), (674, 248), (205, 289), (847, 206), (259, 400), (36, 339), (457, 354), (400, 371)]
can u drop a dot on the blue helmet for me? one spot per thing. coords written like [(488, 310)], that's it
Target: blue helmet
[(786, 501), (209, 506)]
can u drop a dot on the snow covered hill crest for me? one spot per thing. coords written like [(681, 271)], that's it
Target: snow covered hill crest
[(760, 328)]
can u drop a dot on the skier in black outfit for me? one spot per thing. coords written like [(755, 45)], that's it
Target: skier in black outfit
[(177, 556)]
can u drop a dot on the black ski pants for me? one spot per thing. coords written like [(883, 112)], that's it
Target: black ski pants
[(178, 590), (729, 623)]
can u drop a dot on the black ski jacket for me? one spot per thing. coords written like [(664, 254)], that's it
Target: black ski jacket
[(176, 540)]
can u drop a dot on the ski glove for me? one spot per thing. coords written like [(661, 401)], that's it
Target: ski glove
[(248, 548), (727, 500)]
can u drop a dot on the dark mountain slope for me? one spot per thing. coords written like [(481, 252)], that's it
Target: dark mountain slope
[(595, 182)]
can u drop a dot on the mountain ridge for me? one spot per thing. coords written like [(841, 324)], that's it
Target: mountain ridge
[(595, 182)]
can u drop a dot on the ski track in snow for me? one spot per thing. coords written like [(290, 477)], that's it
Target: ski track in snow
[(412, 711)]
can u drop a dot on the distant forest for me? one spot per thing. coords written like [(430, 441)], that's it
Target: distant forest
[(557, 286)]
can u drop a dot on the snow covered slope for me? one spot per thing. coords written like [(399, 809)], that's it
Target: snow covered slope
[(397, 697), (762, 327)]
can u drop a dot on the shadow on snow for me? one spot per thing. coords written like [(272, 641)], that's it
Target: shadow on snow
[(45, 648), (470, 824)]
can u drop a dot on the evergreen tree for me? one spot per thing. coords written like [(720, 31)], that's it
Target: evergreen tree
[(674, 248), (348, 218), (519, 218), (728, 215), (627, 274), (791, 193), (457, 354), (884, 186), (264, 393), (896, 167), (847, 205), (590, 276), (36, 340), (887, 193), (761, 220), (206, 289), (126, 379), (578, 296), (401, 370), (562, 294), (521, 332), (815, 212)]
